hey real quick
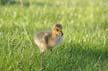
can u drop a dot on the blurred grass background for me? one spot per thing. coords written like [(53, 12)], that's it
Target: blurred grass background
[(85, 27)]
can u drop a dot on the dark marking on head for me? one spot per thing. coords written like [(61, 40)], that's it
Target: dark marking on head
[(58, 25)]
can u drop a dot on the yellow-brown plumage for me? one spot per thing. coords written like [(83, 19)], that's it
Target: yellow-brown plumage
[(48, 40)]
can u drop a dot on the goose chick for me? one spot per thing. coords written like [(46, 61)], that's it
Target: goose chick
[(49, 39)]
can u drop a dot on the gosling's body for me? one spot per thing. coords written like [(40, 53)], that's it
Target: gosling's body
[(49, 39)]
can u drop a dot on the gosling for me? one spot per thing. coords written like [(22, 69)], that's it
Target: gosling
[(46, 40)]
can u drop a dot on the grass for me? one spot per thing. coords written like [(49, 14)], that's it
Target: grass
[(85, 43)]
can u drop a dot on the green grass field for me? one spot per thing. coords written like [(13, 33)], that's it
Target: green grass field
[(85, 41)]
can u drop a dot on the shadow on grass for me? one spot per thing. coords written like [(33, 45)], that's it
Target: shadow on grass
[(27, 3), (14, 3), (87, 50), (76, 57)]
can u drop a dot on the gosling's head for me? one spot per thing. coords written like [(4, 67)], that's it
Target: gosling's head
[(57, 29)]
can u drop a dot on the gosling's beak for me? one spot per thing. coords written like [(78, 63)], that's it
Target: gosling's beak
[(62, 33)]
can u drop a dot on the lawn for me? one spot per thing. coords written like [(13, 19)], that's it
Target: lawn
[(85, 40)]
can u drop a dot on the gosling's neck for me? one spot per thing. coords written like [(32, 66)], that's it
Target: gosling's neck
[(53, 35)]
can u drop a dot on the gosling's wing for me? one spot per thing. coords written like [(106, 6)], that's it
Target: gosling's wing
[(39, 36), (47, 37), (43, 37)]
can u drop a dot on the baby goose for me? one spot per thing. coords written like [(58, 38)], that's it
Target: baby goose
[(48, 40)]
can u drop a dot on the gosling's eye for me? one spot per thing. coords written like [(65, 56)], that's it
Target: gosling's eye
[(57, 30)]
